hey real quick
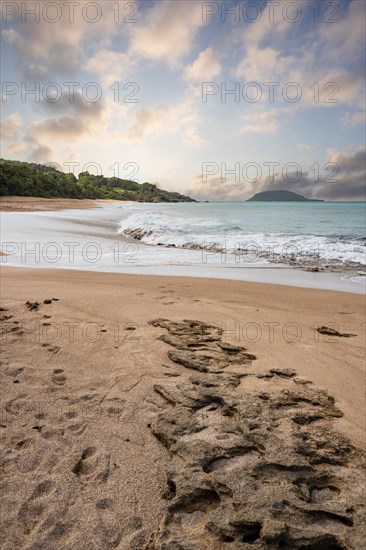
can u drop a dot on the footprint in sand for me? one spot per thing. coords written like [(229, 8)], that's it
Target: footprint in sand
[(29, 515), (71, 414), (93, 464), (58, 377), (51, 349), (78, 428), (42, 489), (31, 512)]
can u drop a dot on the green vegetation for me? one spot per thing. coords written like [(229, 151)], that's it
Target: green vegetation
[(280, 195), (38, 180)]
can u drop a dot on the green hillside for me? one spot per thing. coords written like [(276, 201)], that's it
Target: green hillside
[(37, 180), (280, 195)]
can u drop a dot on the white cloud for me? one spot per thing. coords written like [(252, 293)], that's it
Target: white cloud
[(325, 61), (10, 126), (168, 35), (110, 65), (192, 138), (204, 68), (262, 65), (340, 42), (43, 46), (166, 119), (260, 122), (17, 147), (349, 120)]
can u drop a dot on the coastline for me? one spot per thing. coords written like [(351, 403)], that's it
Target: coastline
[(100, 246)]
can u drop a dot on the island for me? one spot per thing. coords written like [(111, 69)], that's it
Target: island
[(280, 195), (24, 179)]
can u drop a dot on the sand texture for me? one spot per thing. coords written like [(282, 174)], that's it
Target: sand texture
[(175, 413)]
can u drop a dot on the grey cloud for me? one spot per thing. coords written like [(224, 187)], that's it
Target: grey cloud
[(73, 103), (44, 47), (347, 184), (41, 153), (77, 118)]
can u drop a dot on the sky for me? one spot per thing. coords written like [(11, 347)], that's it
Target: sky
[(218, 100)]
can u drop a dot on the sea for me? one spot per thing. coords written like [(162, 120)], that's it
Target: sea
[(317, 233), (312, 244)]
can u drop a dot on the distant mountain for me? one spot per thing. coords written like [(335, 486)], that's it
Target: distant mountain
[(37, 180), (280, 195)]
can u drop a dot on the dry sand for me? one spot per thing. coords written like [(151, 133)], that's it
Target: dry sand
[(35, 204), (95, 432)]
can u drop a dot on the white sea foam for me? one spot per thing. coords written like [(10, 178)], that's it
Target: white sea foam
[(156, 227)]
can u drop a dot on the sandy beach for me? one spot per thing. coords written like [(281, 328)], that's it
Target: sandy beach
[(183, 329), (182, 326), (38, 204), (125, 426)]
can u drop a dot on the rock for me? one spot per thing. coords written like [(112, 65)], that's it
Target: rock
[(33, 306), (285, 373), (332, 332), (199, 346), (301, 381), (251, 469)]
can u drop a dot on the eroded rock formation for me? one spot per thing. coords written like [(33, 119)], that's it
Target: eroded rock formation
[(253, 464)]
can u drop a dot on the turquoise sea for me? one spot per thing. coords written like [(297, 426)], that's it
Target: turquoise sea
[(320, 245), (329, 232)]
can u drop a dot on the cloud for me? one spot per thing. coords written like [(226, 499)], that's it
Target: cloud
[(261, 122), (216, 189), (10, 126), (262, 64), (166, 119), (204, 68), (79, 118), (165, 32), (43, 46), (169, 32), (268, 26), (303, 146), (349, 120), (351, 177), (329, 53), (346, 183), (41, 153), (341, 41), (17, 148), (192, 138), (74, 119), (110, 65)]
